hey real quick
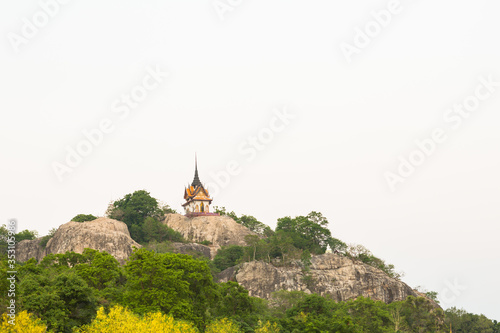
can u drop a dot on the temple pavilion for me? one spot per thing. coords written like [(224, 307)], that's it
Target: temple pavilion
[(197, 198)]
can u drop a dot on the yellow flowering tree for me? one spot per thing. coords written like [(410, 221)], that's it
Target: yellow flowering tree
[(223, 325), (122, 320), (267, 327), (23, 323)]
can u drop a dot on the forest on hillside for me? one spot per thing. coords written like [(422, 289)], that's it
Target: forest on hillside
[(158, 290)]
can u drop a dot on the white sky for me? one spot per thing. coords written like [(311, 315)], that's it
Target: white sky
[(226, 80)]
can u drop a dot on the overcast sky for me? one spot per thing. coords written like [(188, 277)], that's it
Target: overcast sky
[(382, 115)]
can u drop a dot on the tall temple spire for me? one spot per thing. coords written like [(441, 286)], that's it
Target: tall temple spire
[(196, 180), (197, 198)]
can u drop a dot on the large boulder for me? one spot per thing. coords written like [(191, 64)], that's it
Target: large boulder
[(102, 234), (219, 230), (192, 249), (334, 275)]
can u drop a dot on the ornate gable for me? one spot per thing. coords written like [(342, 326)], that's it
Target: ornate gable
[(197, 197)]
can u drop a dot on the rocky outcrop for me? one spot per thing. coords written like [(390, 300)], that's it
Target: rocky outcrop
[(102, 234), (27, 249), (192, 249), (331, 274), (219, 230)]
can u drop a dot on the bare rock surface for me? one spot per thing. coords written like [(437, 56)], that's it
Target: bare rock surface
[(332, 274), (219, 230), (190, 248), (27, 249), (102, 234)]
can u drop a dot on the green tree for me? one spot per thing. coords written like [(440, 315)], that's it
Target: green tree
[(45, 239), (228, 256), (233, 300), (305, 259), (336, 245), (396, 315), (166, 209), (134, 208), (307, 232), (4, 285), (432, 295), (361, 253), (153, 230), (283, 242), (83, 218), (265, 248), (4, 236), (283, 300), (371, 316), (20, 236), (462, 322), (102, 272), (421, 315), (138, 210), (236, 304), (253, 242), (311, 304), (314, 313), (172, 283), (254, 225), (26, 235), (61, 300), (222, 211)]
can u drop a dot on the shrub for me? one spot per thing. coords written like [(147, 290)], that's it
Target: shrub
[(83, 218)]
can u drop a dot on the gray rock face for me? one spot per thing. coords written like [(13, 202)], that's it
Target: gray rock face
[(332, 274), (102, 234), (189, 248), (27, 249), (219, 230)]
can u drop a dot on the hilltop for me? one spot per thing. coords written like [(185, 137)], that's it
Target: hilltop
[(218, 271), (340, 277)]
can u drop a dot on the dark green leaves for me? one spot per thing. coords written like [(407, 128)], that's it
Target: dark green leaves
[(83, 218)]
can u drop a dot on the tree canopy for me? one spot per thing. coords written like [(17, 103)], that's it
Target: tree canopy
[(308, 232), (92, 292), (172, 283), (143, 215), (84, 218)]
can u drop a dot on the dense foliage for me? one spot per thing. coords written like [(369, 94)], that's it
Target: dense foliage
[(92, 292), (461, 321), (143, 215), (228, 256), (83, 218), (171, 283), (307, 232)]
